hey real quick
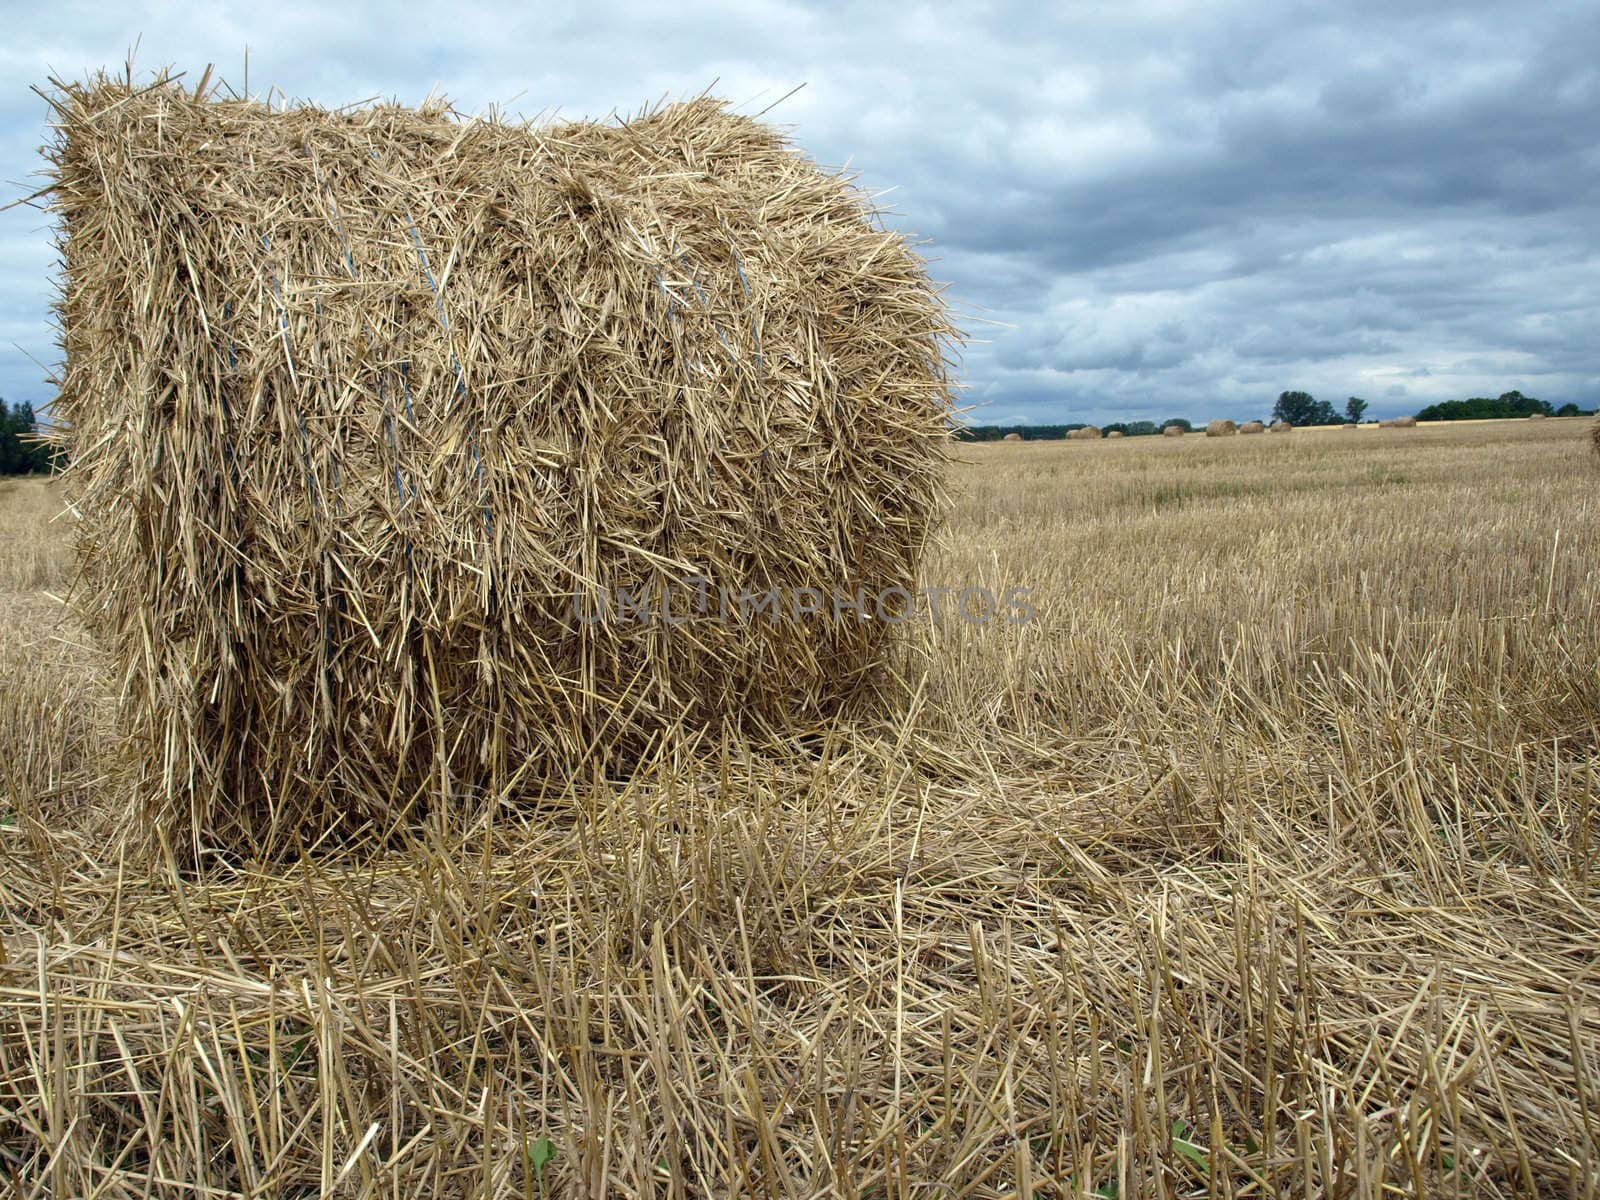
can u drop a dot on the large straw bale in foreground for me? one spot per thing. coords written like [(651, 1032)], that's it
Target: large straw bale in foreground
[(1282, 427), (1252, 427), (1221, 428), (371, 413)]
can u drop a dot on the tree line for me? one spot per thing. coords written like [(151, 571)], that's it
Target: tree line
[(1301, 408), (20, 453), (1507, 404)]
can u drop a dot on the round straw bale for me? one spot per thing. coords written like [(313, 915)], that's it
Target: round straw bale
[(1282, 427), (1405, 422), (1221, 428), (1115, 433), (1252, 427), (1172, 431), (1085, 433), (424, 459), (1536, 416), (1012, 437)]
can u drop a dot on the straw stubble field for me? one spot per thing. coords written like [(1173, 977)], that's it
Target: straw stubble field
[(1262, 863)]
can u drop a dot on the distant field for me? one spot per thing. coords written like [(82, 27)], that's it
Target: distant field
[(1262, 862)]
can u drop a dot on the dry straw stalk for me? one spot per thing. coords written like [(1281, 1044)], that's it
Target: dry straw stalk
[(372, 412), (1265, 863)]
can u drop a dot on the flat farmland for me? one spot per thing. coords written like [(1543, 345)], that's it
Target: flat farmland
[(1261, 859)]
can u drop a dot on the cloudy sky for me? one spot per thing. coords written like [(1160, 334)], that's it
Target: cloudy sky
[(1141, 209)]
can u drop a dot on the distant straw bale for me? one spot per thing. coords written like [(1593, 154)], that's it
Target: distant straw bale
[(1282, 427), (1221, 428), (1012, 437), (1172, 431), (394, 434), (1401, 423), (1252, 427), (1536, 416), (1114, 433), (1088, 433)]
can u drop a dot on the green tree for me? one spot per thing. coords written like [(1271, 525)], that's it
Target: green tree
[(1294, 407), (1481, 408), (20, 452), (13, 457), (1524, 406), (1569, 409), (1300, 408), (1353, 408)]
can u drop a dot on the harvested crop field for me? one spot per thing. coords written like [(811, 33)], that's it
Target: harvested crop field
[(1262, 861)]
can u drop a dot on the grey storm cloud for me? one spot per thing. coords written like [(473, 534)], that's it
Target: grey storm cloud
[(1140, 210)]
